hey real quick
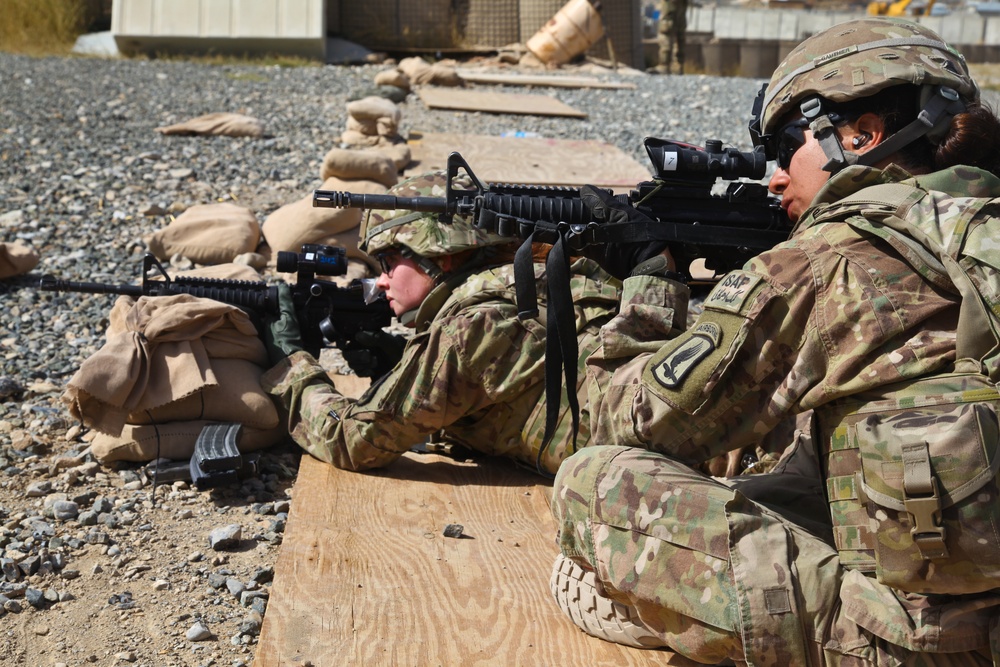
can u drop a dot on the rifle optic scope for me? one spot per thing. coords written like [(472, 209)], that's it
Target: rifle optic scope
[(674, 159), (324, 260)]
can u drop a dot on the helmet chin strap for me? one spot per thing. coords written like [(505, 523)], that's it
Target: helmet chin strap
[(939, 105)]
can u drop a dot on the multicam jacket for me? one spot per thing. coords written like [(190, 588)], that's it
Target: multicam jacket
[(834, 317), (473, 370)]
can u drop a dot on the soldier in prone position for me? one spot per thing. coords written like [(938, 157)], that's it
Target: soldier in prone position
[(473, 372)]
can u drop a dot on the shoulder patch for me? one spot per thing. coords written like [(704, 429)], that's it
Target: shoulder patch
[(730, 295), (702, 340)]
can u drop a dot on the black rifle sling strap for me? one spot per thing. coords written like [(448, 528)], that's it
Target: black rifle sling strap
[(524, 280), (561, 347)]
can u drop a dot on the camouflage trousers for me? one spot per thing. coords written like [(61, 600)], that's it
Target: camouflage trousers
[(714, 574)]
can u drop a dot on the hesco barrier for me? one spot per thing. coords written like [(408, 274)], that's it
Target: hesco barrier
[(722, 40), (735, 41)]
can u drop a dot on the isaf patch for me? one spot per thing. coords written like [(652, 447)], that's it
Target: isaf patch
[(702, 340), (731, 293)]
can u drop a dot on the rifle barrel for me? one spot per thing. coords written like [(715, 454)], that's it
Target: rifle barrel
[(50, 284), (340, 199)]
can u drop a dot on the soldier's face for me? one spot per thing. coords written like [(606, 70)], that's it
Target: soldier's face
[(800, 174), (405, 284)]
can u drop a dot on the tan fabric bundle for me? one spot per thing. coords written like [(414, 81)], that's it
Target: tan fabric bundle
[(393, 77), (174, 440), (372, 121), (16, 259), (222, 123), (160, 350), (419, 72), (370, 165), (300, 222), (208, 234)]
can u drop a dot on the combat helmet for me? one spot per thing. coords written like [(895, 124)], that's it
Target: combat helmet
[(422, 236), (857, 59)]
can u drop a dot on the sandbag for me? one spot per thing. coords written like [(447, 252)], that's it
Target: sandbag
[(160, 350), (175, 440), (208, 234), (369, 165), (237, 398), (300, 222), (16, 259), (222, 123)]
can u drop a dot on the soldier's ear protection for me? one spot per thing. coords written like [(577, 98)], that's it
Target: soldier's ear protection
[(861, 140)]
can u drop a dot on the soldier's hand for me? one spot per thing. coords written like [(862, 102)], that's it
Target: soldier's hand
[(619, 259), (282, 335), (374, 353)]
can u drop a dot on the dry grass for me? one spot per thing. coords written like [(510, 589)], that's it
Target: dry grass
[(41, 27)]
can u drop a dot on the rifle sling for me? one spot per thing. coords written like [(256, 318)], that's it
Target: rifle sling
[(561, 348)]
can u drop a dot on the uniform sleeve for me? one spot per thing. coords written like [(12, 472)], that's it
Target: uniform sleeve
[(463, 363), (691, 397)]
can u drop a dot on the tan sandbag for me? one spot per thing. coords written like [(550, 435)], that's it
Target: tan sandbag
[(353, 164), (361, 140), (444, 75), (16, 259), (160, 351), (373, 108), (385, 127), (208, 234), (222, 123), (175, 440), (417, 70), (400, 154), (300, 222), (237, 398), (393, 77), (367, 126)]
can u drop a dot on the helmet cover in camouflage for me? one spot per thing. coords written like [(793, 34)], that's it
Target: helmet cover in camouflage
[(860, 58), (425, 233)]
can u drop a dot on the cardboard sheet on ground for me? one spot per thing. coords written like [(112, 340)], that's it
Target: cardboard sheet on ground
[(529, 160), (493, 102), (366, 577)]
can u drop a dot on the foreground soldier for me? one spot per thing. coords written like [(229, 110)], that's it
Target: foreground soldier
[(854, 320), (472, 369)]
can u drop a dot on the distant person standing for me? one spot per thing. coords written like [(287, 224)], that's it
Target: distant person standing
[(673, 24)]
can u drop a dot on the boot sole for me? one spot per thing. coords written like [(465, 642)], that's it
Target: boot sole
[(576, 594)]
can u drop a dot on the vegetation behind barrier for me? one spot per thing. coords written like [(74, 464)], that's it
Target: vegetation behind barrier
[(43, 27)]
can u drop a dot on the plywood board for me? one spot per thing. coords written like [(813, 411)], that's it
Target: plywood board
[(366, 577), (529, 160), (436, 97), (546, 80)]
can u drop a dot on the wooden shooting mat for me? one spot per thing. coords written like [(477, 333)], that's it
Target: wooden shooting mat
[(366, 576), (495, 102), (529, 160)]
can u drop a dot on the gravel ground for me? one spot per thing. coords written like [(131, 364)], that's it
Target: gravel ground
[(95, 571)]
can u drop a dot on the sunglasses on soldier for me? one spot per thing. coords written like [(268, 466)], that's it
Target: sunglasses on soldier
[(791, 137), (388, 260)]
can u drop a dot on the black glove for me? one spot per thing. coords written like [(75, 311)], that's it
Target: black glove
[(618, 259), (282, 336), (372, 354)]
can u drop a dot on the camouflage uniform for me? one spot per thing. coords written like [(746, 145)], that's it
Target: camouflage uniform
[(672, 27), (716, 575), (473, 369)]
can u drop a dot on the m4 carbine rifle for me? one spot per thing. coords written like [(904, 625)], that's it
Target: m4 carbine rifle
[(725, 230), (327, 312)]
